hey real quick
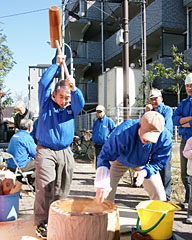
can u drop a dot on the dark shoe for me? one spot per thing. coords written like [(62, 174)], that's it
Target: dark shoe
[(31, 180), (183, 205), (41, 230)]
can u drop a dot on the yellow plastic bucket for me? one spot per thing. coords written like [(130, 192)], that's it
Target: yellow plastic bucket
[(156, 218)]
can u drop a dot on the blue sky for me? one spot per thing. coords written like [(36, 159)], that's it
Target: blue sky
[(27, 36)]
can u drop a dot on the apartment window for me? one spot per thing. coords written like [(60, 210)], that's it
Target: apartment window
[(170, 39), (41, 71)]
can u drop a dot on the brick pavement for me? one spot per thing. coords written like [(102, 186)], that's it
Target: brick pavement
[(127, 198)]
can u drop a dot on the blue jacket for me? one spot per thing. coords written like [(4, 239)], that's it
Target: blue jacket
[(22, 147), (55, 127), (167, 113), (33, 133), (184, 109), (101, 130), (124, 145)]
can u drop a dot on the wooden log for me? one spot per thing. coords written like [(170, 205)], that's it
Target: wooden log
[(83, 219)]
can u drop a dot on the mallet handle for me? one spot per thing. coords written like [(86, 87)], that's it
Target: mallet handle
[(64, 64)]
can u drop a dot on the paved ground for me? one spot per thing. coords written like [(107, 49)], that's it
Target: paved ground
[(127, 199)]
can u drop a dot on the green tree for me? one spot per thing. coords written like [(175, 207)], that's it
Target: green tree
[(144, 89), (6, 64), (178, 73)]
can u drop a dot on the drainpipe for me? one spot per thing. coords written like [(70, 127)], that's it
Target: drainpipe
[(125, 22), (189, 9)]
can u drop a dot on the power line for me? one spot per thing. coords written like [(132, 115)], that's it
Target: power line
[(102, 10), (45, 9), (112, 12), (19, 14)]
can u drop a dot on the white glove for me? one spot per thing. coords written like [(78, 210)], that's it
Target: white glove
[(70, 82), (140, 176), (148, 107), (102, 183)]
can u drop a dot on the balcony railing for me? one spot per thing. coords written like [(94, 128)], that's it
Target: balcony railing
[(79, 49), (91, 50)]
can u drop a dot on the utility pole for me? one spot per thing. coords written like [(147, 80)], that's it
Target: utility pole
[(125, 14)]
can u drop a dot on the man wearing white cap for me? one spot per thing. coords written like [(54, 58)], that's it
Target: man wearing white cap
[(102, 127), (182, 117), (156, 104), (144, 146)]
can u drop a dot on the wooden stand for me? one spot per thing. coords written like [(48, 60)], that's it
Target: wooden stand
[(83, 219)]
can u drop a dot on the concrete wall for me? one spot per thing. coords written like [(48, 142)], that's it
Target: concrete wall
[(35, 73), (110, 87)]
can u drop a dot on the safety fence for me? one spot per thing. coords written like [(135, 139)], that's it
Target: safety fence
[(118, 114)]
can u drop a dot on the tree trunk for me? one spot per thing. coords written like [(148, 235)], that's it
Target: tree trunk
[(83, 219), (178, 94)]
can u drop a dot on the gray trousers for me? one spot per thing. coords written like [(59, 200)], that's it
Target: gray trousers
[(54, 171), (184, 175), (189, 212), (153, 186)]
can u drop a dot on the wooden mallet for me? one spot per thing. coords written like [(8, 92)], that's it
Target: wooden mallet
[(55, 32)]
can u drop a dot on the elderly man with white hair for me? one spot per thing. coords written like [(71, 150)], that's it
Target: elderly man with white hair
[(23, 147), (22, 112)]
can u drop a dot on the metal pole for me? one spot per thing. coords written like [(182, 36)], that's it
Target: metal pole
[(63, 36), (71, 59), (188, 11), (64, 3), (144, 46), (125, 14), (1, 114), (102, 38)]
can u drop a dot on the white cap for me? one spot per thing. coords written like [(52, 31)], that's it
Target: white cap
[(188, 79), (100, 108), (155, 93), (152, 124)]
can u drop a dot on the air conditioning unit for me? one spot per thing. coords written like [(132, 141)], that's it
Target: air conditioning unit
[(119, 37)]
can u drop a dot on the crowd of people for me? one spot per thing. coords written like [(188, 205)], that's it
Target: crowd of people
[(143, 145)]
